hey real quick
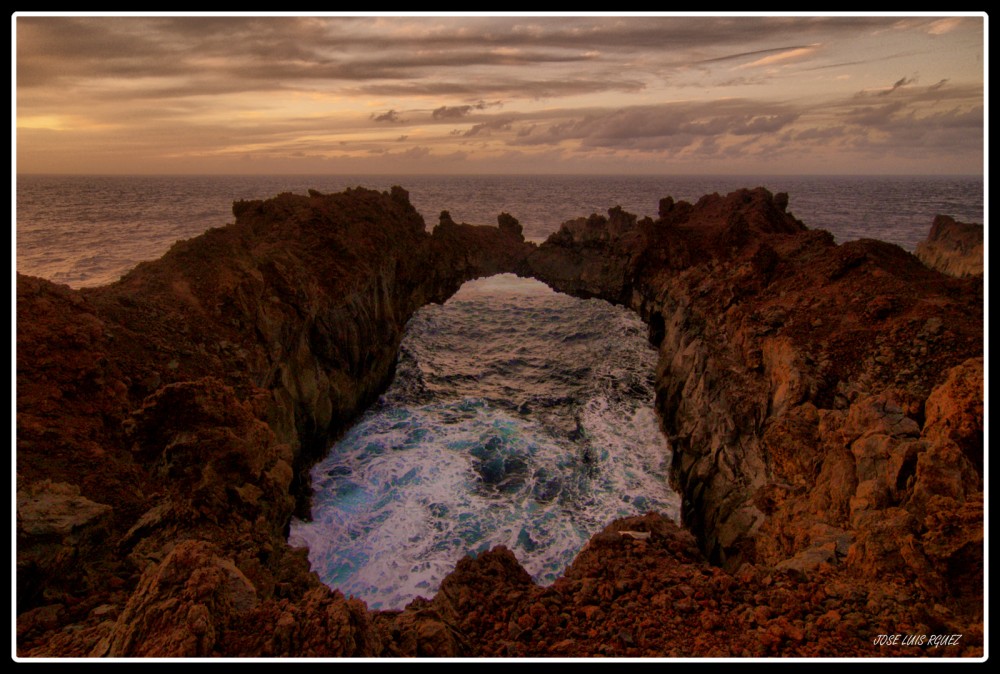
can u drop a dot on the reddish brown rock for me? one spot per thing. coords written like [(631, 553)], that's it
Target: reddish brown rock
[(953, 247), (794, 380), (187, 401), (954, 411), (58, 530), (824, 404), (182, 604)]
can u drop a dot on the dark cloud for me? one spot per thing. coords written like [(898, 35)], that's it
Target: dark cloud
[(60, 48), (755, 124), (707, 147), (738, 82), (447, 113), (917, 121), (901, 82), (942, 134), (955, 119), (415, 152), (259, 53), (387, 116), (875, 115), (256, 51), (488, 127), (508, 87), (815, 133), (454, 112), (896, 86), (907, 100), (394, 65), (66, 47), (841, 64), (615, 33), (663, 126)]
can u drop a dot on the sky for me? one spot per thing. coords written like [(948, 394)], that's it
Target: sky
[(499, 94)]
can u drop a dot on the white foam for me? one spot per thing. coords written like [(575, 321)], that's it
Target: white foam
[(534, 429)]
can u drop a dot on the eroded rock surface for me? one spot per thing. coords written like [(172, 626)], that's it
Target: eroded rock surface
[(952, 247), (824, 404), (801, 384), (181, 408)]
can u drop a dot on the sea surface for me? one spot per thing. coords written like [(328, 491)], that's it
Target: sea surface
[(518, 416)]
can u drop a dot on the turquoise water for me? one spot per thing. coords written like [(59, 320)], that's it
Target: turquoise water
[(518, 417)]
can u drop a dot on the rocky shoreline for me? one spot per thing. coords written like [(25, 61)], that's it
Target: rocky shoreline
[(952, 247), (824, 404)]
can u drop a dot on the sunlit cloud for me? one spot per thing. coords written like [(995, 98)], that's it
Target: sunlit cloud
[(943, 26), (783, 56), (151, 93), (50, 122), (757, 52)]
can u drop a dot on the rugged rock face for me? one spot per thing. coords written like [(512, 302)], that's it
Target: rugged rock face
[(642, 588), (954, 248), (801, 384), (185, 404), (824, 403)]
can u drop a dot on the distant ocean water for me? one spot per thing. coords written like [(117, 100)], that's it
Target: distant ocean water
[(518, 416)]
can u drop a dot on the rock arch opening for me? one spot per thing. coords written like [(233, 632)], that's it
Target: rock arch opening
[(518, 416)]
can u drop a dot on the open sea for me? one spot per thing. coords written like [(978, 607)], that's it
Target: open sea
[(518, 416)]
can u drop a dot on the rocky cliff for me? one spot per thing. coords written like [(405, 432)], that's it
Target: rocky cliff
[(954, 248), (166, 423), (824, 402)]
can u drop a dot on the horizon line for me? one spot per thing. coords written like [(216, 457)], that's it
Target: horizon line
[(488, 175)]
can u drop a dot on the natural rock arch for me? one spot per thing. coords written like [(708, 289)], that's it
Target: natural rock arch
[(824, 404)]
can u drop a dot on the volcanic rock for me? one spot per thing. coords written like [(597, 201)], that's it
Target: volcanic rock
[(824, 404), (954, 248)]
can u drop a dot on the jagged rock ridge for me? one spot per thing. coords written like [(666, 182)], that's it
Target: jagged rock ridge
[(954, 248), (824, 404)]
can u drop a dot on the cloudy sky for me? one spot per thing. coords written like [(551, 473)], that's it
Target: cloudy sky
[(499, 94)]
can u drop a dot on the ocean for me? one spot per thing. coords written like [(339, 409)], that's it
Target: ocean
[(518, 416)]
